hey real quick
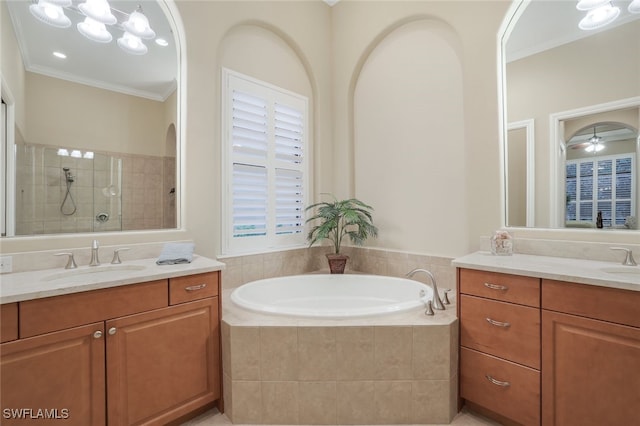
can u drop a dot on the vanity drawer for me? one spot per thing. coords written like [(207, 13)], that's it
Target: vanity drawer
[(504, 287), (40, 316), (502, 329), (503, 387), (9, 317), (607, 304), (193, 287)]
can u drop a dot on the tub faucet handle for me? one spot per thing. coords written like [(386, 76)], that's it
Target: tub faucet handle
[(628, 260), (71, 262), (429, 310), (445, 297), (116, 255)]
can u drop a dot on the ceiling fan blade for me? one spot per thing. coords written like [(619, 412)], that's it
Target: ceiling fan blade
[(579, 145)]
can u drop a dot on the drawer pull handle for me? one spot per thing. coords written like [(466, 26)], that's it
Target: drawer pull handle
[(496, 287), (195, 287), (498, 323), (497, 382), (97, 334)]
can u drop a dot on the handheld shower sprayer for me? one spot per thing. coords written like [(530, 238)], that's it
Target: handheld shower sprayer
[(68, 198), (67, 174)]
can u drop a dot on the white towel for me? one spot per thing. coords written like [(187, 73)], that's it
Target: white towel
[(173, 253)]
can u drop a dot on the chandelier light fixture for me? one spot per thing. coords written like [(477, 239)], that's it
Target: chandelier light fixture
[(98, 14)]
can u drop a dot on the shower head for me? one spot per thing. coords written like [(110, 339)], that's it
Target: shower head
[(66, 169)]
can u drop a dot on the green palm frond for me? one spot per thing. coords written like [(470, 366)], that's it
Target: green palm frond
[(351, 218)]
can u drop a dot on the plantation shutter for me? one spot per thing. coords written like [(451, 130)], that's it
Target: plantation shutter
[(249, 181), (602, 185), (265, 151), (289, 196)]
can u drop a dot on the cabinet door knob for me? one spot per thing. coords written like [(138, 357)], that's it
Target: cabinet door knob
[(97, 334), (112, 331), (496, 287), (498, 323), (497, 382)]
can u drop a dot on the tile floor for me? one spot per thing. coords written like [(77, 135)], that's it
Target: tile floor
[(213, 417)]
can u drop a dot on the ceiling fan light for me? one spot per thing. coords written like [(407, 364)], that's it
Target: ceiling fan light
[(590, 4), (138, 25), (132, 44), (98, 10), (50, 14), (94, 30), (596, 147), (634, 6), (598, 18)]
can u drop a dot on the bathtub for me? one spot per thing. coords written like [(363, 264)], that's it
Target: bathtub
[(334, 296)]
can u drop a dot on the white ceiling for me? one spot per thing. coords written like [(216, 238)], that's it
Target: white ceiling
[(546, 24), (152, 75)]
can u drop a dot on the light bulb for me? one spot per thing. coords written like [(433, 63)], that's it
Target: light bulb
[(132, 44), (50, 13), (138, 25), (94, 30), (98, 10), (599, 17)]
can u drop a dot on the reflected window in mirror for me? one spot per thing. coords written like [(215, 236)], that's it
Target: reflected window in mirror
[(95, 134)]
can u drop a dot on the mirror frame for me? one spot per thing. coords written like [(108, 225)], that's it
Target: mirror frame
[(510, 19), (24, 242)]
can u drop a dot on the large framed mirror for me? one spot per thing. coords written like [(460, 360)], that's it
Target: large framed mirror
[(568, 81), (91, 129)]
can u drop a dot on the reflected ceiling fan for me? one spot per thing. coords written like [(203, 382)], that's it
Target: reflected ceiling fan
[(594, 144)]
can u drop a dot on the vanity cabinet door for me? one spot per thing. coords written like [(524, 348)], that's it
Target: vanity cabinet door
[(590, 371), (163, 364), (57, 376)]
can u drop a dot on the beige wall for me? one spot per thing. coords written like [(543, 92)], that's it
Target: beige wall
[(11, 68), (517, 177), (65, 114)]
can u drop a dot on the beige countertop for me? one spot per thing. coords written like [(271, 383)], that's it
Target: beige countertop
[(591, 272), (20, 286)]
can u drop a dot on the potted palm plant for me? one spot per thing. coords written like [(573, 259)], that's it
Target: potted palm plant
[(339, 219)]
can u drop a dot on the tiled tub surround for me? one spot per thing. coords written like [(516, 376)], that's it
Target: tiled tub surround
[(390, 369), (243, 269)]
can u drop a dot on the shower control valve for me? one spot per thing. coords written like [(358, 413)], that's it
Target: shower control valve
[(116, 255)]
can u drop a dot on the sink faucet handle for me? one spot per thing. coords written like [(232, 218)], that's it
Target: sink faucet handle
[(116, 255), (71, 262), (628, 260)]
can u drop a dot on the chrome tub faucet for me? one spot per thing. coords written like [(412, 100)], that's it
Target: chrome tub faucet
[(436, 301)]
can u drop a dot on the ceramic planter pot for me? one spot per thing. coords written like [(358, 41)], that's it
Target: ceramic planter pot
[(337, 263)]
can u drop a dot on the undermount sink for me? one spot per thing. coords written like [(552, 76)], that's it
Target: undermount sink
[(93, 271), (631, 270)]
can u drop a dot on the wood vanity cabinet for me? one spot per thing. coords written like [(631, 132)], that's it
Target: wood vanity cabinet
[(500, 345), (590, 355), (145, 353)]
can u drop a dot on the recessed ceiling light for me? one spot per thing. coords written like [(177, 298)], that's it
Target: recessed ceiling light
[(60, 55), (162, 42)]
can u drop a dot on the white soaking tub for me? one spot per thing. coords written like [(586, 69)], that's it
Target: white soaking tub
[(332, 296)]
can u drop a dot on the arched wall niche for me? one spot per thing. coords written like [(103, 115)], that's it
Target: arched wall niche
[(410, 82)]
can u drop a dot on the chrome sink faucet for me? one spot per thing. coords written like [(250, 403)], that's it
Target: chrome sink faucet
[(628, 260), (437, 302), (95, 261)]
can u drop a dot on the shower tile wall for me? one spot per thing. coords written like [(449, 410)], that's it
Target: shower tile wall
[(129, 188)]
